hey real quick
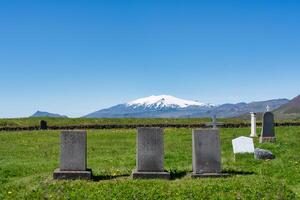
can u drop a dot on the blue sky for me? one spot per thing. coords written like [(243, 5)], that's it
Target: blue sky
[(75, 57)]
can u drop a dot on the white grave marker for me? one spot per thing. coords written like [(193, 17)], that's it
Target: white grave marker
[(243, 145), (253, 125)]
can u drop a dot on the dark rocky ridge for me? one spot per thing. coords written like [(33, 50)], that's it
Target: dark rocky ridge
[(47, 114)]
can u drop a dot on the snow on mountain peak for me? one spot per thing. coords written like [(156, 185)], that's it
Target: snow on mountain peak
[(165, 101)]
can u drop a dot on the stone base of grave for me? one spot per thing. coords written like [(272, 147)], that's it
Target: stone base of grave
[(151, 175), (267, 139), (72, 175), (210, 175), (253, 136)]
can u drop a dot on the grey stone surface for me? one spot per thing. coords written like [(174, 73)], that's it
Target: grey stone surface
[(262, 154), (73, 151), (73, 156), (43, 125), (58, 174), (150, 154), (210, 175), (267, 139), (150, 150), (151, 175), (206, 151), (268, 130)]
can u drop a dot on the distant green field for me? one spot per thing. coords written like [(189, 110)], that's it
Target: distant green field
[(27, 160), (35, 121)]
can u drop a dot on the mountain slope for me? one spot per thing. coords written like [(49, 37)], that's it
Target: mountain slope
[(236, 110), (289, 110), (165, 101), (46, 114), (166, 106), (162, 106)]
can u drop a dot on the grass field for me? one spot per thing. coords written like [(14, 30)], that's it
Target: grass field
[(35, 121), (28, 159)]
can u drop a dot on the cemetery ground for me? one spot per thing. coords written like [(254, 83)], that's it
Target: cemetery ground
[(28, 159)]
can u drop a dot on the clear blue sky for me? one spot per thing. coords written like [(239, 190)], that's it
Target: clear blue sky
[(74, 57)]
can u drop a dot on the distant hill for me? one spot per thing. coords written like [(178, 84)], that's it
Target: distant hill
[(47, 114), (244, 109), (290, 110), (166, 106)]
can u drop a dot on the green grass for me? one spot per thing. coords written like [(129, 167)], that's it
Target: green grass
[(28, 159), (35, 121)]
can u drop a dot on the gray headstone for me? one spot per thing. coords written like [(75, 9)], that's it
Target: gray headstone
[(150, 154), (268, 131), (206, 151), (73, 151), (150, 150), (73, 156)]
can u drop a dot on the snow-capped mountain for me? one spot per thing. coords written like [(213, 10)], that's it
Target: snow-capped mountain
[(165, 101), (152, 107), (166, 106)]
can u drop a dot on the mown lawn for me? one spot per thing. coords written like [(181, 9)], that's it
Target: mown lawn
[(27, 160)]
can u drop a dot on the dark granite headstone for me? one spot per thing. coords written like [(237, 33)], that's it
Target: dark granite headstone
[(43, 125), (268, 130), (150, 154), (73, 157)]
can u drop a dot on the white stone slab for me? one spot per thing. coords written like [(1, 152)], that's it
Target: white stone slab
[(243, 145)]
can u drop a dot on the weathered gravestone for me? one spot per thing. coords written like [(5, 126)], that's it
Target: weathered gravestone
[(268, 130), (73, 156), (243, 145), (43, 125), (206, 153), (150, 154)]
